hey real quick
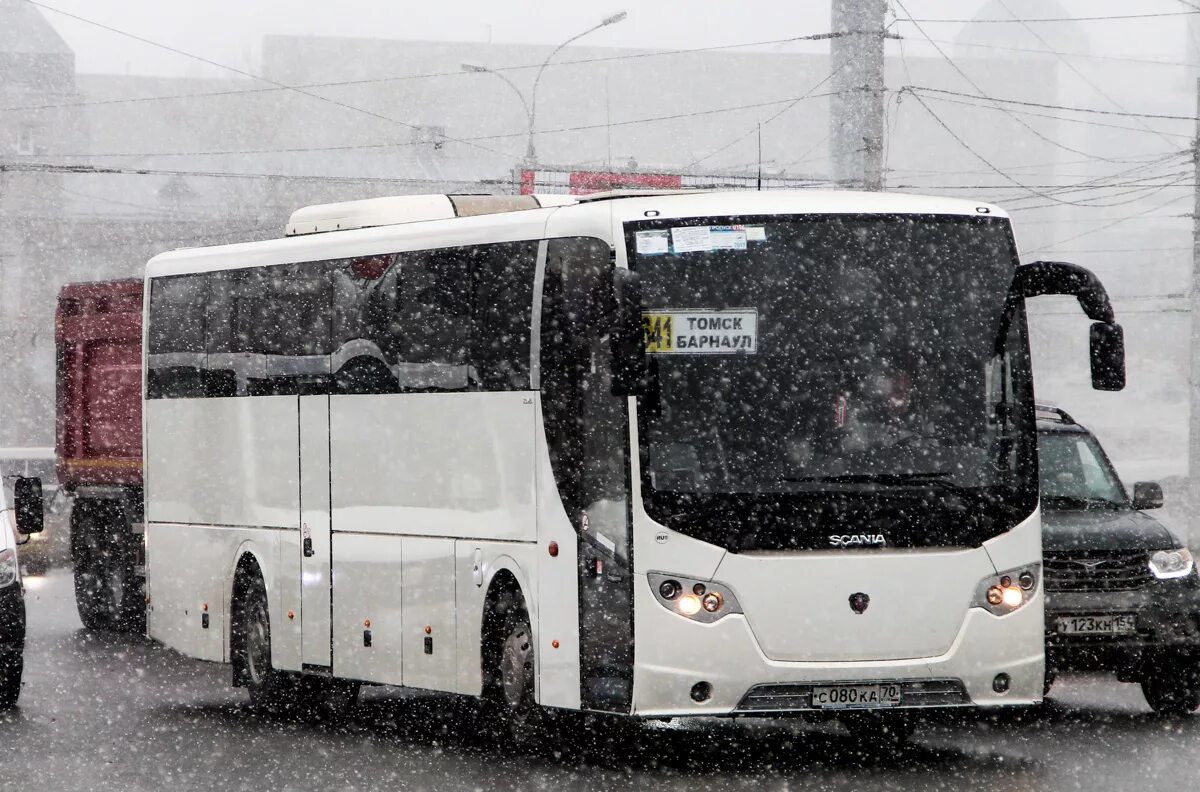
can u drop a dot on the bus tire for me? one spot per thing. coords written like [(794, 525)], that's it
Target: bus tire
[(271, 691), (108, 592), (11, 666), (509, 681)]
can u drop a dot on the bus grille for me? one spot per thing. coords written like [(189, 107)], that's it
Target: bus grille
[(796, 697), (1097, 571)]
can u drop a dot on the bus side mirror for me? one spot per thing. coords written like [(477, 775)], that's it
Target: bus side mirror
[(1107, 348), (27, 502), (627, 336)]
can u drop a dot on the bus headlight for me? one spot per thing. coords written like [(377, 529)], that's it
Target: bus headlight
[(1167, 564), (1004, 593), (8, 567), (699, 600)]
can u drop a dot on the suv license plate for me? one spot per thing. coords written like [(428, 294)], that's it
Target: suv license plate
[(856, 696), (1111, 624)]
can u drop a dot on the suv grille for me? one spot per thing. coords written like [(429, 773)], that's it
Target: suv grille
[(1122, 570)]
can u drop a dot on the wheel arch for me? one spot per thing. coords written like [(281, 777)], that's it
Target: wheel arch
[(504, 577), (248, 560)]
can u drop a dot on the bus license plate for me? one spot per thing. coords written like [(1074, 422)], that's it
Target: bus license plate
[(1110, 624), (856, 696)]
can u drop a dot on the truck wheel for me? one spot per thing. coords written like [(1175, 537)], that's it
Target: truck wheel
[(1172, 687), (11, 665), (108, 592), (270, 690)]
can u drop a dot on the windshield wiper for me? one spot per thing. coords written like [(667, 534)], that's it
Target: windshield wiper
[(935, 478), (1079, 502)]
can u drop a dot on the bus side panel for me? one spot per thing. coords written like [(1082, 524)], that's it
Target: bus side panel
[(191, 567), (558, 592), (229, 461), (457, 465), (368, 624), (228, 469), (430, 643)]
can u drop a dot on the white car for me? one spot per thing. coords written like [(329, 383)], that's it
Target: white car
[(22, 517)]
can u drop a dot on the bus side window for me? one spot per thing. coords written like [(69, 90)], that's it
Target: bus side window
[(501, 312), (175, 354)]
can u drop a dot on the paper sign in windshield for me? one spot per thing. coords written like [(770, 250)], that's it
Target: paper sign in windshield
[(701, 332), (653, 243)]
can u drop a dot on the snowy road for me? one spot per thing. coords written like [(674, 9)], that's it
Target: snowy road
[(118, 713)]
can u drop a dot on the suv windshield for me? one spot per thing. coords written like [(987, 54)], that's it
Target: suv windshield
[(822, 375), (1075, 473)]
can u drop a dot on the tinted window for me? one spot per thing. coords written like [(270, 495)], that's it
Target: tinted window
[(452, 319), (175, 354), (268, 331)]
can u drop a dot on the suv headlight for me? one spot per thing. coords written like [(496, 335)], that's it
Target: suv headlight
[(1002, 594), (8, 567), (1167, 564)]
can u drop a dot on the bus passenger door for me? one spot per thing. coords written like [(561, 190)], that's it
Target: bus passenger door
[(315, 580)]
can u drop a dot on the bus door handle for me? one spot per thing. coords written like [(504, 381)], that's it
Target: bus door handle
[(308, 547), (306, 540)]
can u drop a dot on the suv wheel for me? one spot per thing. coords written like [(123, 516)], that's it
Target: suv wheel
[(1172, 687)]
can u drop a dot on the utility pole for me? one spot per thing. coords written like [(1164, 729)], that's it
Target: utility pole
[(856, 120), (1193, 503)]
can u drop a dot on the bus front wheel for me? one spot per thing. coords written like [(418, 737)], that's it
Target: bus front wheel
[(511, 694)]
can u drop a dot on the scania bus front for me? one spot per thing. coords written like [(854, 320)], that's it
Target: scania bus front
[(836, 497)]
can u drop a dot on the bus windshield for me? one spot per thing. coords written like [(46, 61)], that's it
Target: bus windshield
[(822, 377)]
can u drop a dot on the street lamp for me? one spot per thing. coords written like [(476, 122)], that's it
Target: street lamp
[(476, 68), (531, 104), (530, 151)]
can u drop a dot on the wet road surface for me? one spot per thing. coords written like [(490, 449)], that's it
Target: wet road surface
[(113, 712)]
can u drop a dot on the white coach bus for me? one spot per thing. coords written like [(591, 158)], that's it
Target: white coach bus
[(752, 453)]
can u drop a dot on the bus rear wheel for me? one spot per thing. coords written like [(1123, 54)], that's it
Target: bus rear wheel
[(270, 690)]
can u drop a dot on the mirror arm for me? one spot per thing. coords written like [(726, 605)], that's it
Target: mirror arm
[(1061, 277)]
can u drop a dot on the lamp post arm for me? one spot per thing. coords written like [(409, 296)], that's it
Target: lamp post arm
[(530, 151)]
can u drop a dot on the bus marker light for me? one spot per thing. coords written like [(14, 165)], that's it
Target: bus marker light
[(291, 615), (995, 595), (1026, 580), (554, 643), (669, 589), (553, 548), (701, 691), (367, 623), (689, 605), (712, 602), (428, 630), (1001, 683), (204, 607), (698, 589), (1012, 596)]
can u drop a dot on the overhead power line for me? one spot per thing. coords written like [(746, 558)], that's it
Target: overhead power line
[(497, 136), (1081, 55), (983, 95), (1070, 108), (248, 91), (1107, 18), (244, 73)]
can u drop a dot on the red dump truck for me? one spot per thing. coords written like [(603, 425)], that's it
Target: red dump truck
[(98, 448)]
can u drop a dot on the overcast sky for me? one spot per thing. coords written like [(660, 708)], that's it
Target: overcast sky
[(229, 31)]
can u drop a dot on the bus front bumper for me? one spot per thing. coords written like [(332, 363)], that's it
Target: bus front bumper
[(674, 655)]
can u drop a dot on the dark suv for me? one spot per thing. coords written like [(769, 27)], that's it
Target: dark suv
[(1122, 592)]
